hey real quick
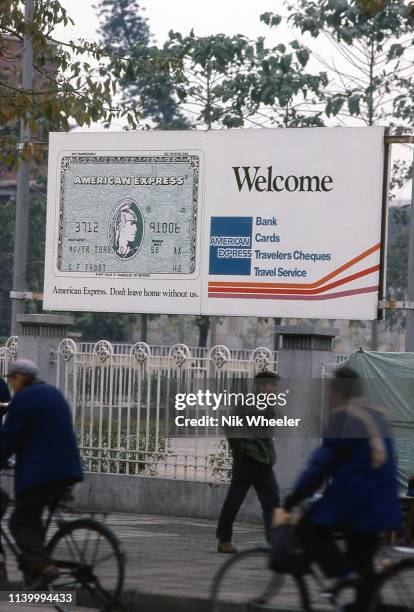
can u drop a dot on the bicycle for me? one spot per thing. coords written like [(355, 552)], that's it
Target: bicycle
[(255, 587), (88, 555)]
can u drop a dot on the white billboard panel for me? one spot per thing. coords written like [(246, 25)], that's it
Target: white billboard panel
[(280, 223)]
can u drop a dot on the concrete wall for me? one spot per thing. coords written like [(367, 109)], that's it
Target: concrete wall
[(145, 495), (39, 339), (303, 350)]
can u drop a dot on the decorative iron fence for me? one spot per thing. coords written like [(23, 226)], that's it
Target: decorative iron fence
[(8, 353), (159, 350), (121, 401)]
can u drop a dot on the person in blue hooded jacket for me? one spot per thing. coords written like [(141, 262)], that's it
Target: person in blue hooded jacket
[(38, 431), (361, 497)]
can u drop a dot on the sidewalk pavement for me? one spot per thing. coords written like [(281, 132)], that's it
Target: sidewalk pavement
[(171, 563)]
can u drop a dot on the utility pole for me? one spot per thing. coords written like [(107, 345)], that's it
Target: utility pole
[(409, 332), (23, 185)]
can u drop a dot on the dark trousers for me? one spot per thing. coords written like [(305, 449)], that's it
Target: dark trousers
[(246, 473), (4, 500), (360, 549), (26, 524)]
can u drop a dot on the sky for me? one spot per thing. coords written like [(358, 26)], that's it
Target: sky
[(211, 17)]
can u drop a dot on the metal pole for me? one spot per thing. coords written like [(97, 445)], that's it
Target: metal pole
[(23, 183), (409, 334), (384, 241)]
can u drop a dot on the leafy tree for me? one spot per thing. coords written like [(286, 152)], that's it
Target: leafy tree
[(225, 79), (7, 214), (75, 81), (210, 64), (35, 264), (202, 322), (285, 91), (230, 81), (126, 33), (104, 326), (397, 265), (370, 7), (374, 51)]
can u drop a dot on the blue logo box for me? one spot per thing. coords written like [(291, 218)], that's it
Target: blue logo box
[(231, 245)]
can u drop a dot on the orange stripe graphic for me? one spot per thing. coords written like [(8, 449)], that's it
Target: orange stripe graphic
[(349, 264), (323, 296)]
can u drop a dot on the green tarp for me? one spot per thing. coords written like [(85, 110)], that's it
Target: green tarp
[(389, 383)]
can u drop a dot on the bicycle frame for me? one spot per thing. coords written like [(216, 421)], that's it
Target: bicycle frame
[(80, 572), (316, 577), (5, 538)]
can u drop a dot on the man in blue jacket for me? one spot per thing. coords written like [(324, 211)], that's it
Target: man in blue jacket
[(38, 430), (361, 498)]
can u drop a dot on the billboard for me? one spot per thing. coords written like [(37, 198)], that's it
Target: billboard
[(267, 222)]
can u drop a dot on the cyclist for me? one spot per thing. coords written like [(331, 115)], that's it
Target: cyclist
[(38, 430), (361, 498)]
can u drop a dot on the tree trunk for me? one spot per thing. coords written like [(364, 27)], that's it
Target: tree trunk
[(277, 321), (144, 327), (203, 325), (213, 331), (374, 335)]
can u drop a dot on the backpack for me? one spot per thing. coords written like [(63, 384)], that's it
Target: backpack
[(287, 552)]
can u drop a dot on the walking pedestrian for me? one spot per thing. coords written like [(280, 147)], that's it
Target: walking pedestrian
[(253, 461)]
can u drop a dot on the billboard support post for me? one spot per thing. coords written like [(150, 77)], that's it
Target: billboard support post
[(409, 333), (408, 303), (23, 185), (384, 224)]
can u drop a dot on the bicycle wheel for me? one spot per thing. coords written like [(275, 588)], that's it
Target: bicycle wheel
[(393, 590), (246, 580), (90, 559)]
